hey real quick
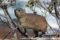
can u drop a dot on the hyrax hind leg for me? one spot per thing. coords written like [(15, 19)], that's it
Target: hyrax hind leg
[(41, 34), (37, 33)]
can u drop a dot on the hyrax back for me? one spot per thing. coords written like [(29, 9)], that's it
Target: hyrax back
[(32, 21)]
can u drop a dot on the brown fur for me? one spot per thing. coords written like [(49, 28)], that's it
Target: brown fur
[(32, 21)]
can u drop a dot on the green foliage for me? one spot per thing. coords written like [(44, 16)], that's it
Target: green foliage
[(30, 3), (50, 8), (0, 0)]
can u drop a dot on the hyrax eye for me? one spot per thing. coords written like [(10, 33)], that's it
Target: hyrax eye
[(18, 10)]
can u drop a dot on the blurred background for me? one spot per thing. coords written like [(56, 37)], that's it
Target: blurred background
[(44, 8)]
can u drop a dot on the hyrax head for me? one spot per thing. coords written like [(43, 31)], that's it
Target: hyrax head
[(19, 12)]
